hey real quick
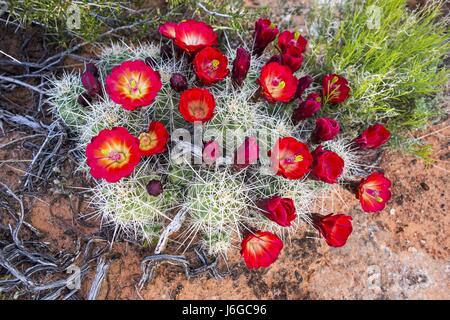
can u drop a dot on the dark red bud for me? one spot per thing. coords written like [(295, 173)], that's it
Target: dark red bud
[(178, 82), (154, 188), (92, 68), (90, 83)]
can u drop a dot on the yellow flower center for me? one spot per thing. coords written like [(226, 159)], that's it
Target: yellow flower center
[(318, 99), (335, 79), (215, 63), (281, 85), (272, 26), (133, 84), (298, 158), (379, 199), (296, 35)]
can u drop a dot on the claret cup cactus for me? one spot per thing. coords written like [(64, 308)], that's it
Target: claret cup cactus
[(229, 137)]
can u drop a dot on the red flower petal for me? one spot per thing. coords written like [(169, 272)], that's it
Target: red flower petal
[(260, 249), (197, 104), (277, 82), (265, 32), (335, 88), (326, 129), (154, 140), (290, 158), (327, 166), (113, 154), (335, 228), (288, 39), (168, 30), (374, 192), (210, 65), (241, 65), (373, 137), (192, 36), (278, 209), (133, 84), (307, 108)]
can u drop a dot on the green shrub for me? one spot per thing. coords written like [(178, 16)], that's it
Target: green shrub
[(396, 68)]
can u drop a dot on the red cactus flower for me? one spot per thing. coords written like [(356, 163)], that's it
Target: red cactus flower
[(288, 39), (326, 129), (277, 82), (327, 166), (335, 228), (247, 153), (292, 58), (91, 83), (197, 104), (278, 209), (210, 66), (373, 137), (303, 84), (211, 152), (373, 192), (133, 84), (154, 141), (290, 158), (307, 108), (241, 64), (335, 88), (192, 36), (260, 249), (113, 154), (168, 30), (265, 32)]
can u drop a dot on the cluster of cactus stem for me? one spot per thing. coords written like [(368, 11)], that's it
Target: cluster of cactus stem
[(220, 200)]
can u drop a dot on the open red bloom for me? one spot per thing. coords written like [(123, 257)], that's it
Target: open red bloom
[(335, 228), (133, 84), (279, 210), (113, 154), (326, 129), (265, 33), (373, 137), (168, 30), (210, 66), (277, 82), (292, 58), (306, 109), (192, 36), (335, 88), (290, 158), (197, 104), (247, 153), (288, 39), (154, 140), (241, 64), (373, 192), (260, 249), (327, 165)]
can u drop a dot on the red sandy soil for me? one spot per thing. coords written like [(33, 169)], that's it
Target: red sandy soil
[(400, 253)]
